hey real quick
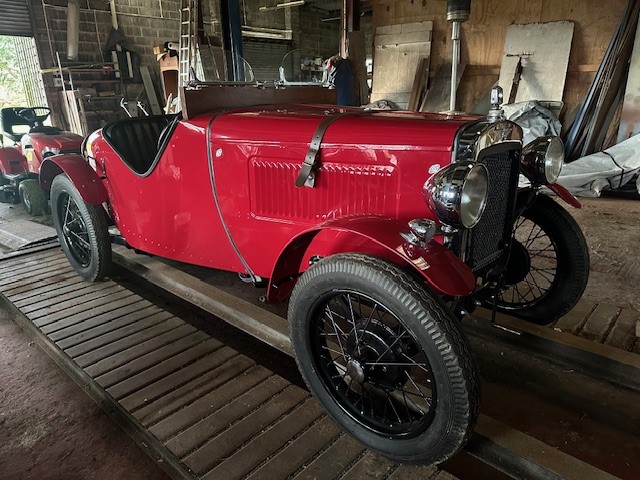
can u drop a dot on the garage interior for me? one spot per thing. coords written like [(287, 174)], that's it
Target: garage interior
[(558, 401)]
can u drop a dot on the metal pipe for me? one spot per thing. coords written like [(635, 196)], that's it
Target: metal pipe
[(455, 60), (344, 27), (73, 29)]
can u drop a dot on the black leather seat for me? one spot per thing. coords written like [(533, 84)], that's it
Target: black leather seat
[(136, 140)]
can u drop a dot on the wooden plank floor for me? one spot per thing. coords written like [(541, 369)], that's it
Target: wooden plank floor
[(217, 412)]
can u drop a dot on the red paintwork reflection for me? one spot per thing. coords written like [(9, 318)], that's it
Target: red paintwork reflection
[(35, 143)]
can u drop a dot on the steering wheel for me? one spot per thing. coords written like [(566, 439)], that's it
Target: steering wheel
[(28, 114), (31, 114)]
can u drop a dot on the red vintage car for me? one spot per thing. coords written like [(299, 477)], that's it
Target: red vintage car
[(384, 228)]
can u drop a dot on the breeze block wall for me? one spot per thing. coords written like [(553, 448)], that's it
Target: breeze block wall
[(144, 23)]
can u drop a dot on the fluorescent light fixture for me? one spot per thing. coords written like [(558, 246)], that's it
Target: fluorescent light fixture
[(295, 3)]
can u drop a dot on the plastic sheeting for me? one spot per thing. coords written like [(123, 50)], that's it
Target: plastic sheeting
[(612, 168), (535, 120)]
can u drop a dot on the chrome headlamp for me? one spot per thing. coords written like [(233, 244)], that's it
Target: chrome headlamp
[(542, 160), (457, 194)]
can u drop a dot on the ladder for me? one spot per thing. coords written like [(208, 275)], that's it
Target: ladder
[(188, 40)]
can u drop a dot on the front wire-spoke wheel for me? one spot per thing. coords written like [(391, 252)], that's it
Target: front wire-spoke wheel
[(384, 357), (548, 267), (82, 230), (373, 364)]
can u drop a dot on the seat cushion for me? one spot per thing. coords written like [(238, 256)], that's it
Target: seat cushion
[(135, 140)]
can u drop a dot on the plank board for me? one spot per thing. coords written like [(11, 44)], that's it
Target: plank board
[(439, 93), (398, 51), (150, 91), (544, 71)]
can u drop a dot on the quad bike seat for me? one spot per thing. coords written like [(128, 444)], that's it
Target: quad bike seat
[(9, 119), (13, 117), (140, 140)]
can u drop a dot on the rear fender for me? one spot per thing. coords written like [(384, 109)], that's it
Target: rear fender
[(444, 272), (84, 178)]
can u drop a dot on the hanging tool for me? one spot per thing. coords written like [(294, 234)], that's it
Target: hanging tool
[(517, 75)]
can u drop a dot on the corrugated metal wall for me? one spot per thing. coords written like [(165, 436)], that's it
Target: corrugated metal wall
[(264, 57), (14, 18)]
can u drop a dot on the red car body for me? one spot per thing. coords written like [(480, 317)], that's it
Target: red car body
[(364, 196)]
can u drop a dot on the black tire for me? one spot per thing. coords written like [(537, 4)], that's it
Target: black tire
[(549, 265), (423, 418), (82, 230), (32, 197)]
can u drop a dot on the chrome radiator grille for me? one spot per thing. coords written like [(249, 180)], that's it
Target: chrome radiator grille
[(488, 240)]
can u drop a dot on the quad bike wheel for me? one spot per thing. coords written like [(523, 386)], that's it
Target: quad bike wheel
[(384, 357), (548, 266), (32, 197), (82, 230)]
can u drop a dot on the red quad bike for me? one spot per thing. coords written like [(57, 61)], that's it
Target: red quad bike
[(384, 229), (19, 169)]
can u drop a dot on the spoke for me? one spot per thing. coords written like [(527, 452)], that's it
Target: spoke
[(353, 321), (366, 325), (397, 364), (67, 211), (413, 404), (391, 346), (537, 236), (417, 389), (393, 407), (422, 366), (406, 405), (333, 351), (335, 329), (529, 240), (84, 242), (548, 249), (533, 280), (549, 277)]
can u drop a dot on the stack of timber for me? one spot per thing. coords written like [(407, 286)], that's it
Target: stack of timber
[(599, 114)]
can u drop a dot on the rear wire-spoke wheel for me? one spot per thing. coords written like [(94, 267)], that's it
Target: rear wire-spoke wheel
[(548, 267), (82, 230), (384, 357)]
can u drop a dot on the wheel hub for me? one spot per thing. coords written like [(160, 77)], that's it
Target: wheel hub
[(355, 370), (519, 264), (374, 349)]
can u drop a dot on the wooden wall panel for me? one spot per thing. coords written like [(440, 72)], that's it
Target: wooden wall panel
[(483, 36)]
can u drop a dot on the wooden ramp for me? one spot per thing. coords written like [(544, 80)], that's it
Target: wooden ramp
[(197, 406)]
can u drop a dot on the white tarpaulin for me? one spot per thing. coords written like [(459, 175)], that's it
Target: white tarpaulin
[(612, 168), (535, 120)]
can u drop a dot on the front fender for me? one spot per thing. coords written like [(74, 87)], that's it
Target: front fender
[(81, 174), (443, 271)]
